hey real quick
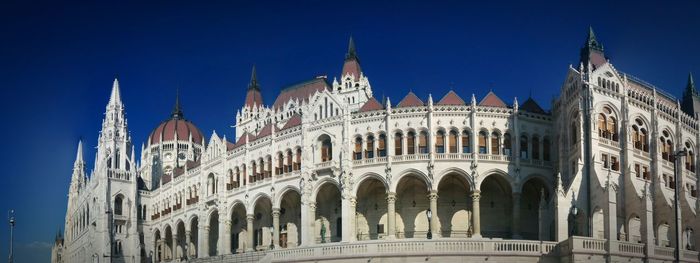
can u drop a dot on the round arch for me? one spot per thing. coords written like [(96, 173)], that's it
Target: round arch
[(320, 184), (367, 176), (258, 197), (496, 172), (454, 170), (410, 172), (280, 194)]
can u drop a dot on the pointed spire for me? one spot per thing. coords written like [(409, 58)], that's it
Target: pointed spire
[(79, 154), (115, 97), (352, 52), (177, 111), (690, 86), (591, 41), (254, 80)]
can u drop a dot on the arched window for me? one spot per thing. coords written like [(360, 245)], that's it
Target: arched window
[(381, 145), (482, 142), (280, 163), (238, 179), (607, 125), (546, 149), (507, 145), (369, 152), (357, 154), (253, 172), (411, 143), (466, 142), (535, 148), (297, 164), (666, 145), (454, 137), (326, 150), (690, 157), (523, 147), (495, 143), (440, 142), (423, 142), (574, 133), (398, 144), (245, 173), (118, 205), (639, 135), (288, 168)]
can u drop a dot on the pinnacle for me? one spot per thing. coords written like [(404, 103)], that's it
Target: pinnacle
[(79, 154), (254, 80), (352, 51), (177, 111), (115, 96)]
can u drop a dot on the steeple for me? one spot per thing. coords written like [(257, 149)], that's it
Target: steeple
[(253, 96), (115, 97), (79, 155), (691, 98), (177, 111), (352, 62), (352, 52), (690, 86), (592, 51)]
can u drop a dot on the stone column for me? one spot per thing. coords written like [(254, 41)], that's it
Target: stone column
[(188, 239), (251, 246), (203, 241), (311, 231), (391, 215), (348, 213), (435, 218), (173, 247), (276, 227), (516, 216), (225, 234), (476, 218)]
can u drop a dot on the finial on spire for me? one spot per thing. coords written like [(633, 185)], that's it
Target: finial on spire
[(352, 52), (79, 154), (177, 111), (254, 80), (691, 84), (591, 41)]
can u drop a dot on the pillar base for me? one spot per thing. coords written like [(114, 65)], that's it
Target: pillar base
[(477, 236)]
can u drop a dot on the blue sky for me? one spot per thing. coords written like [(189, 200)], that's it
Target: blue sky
[(57, 63)]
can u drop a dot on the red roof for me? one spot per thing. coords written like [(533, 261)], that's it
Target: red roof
[(451, 98), (241, 141), (183, 129), (295, 120), (371, 105), (253, 97), (265, 131), (411, 100), (491, 100), (301, 91), (351, 66)]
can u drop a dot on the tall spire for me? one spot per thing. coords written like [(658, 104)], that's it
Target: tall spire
[(690, 86), (115, 97), (591, 41), (177, 111), (592, 52), (254, 80), (253, 96), (79, 154), (352, 52)]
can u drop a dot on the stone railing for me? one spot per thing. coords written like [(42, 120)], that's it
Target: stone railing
[(690, 256), (664, 252), (244, 257), (368, 249), (627, 248)]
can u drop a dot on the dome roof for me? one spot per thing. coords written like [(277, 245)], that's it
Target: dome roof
[(183, 128), (176, 125)]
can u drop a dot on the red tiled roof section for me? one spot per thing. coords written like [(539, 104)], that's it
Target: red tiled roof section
[(295, 120), (301, 91), (352, 66), (267, 130), (253, 97), (411, 100), (241, 141), (597, 59), (491, 100), (182, 128), (451, 98), (371, 105), (532, 106)]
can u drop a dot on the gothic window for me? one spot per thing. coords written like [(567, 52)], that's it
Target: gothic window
[(357, 154), (507, 145), (398, 144), (535, 147), (482, 142), (381, 145), (607, 125), (466, 142), (440, 142), (495, 143), (546, 149), (574, 134), (690, 157), (118, 205), (369, 152), (423, 142), (411, 143), (454, 137), (666, 146), (523, 147), (288, 168), (297, 165), (253, 170), (326, 150)]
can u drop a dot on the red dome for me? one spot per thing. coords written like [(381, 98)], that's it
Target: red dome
[(183, 129)]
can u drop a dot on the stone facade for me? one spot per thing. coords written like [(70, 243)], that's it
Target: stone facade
[(328, 172)]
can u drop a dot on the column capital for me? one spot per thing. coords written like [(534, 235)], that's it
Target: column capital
[(312, 205), (476, 195), (250, 217), (433, 195), (276, 212), (391, 198)]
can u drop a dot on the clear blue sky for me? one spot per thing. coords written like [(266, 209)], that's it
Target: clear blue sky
[(57, 62)]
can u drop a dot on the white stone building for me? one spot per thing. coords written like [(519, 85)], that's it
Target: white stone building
[(329, 172)]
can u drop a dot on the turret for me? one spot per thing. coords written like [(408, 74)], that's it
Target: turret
[(353, 86), (592, 55), (691, 98)]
